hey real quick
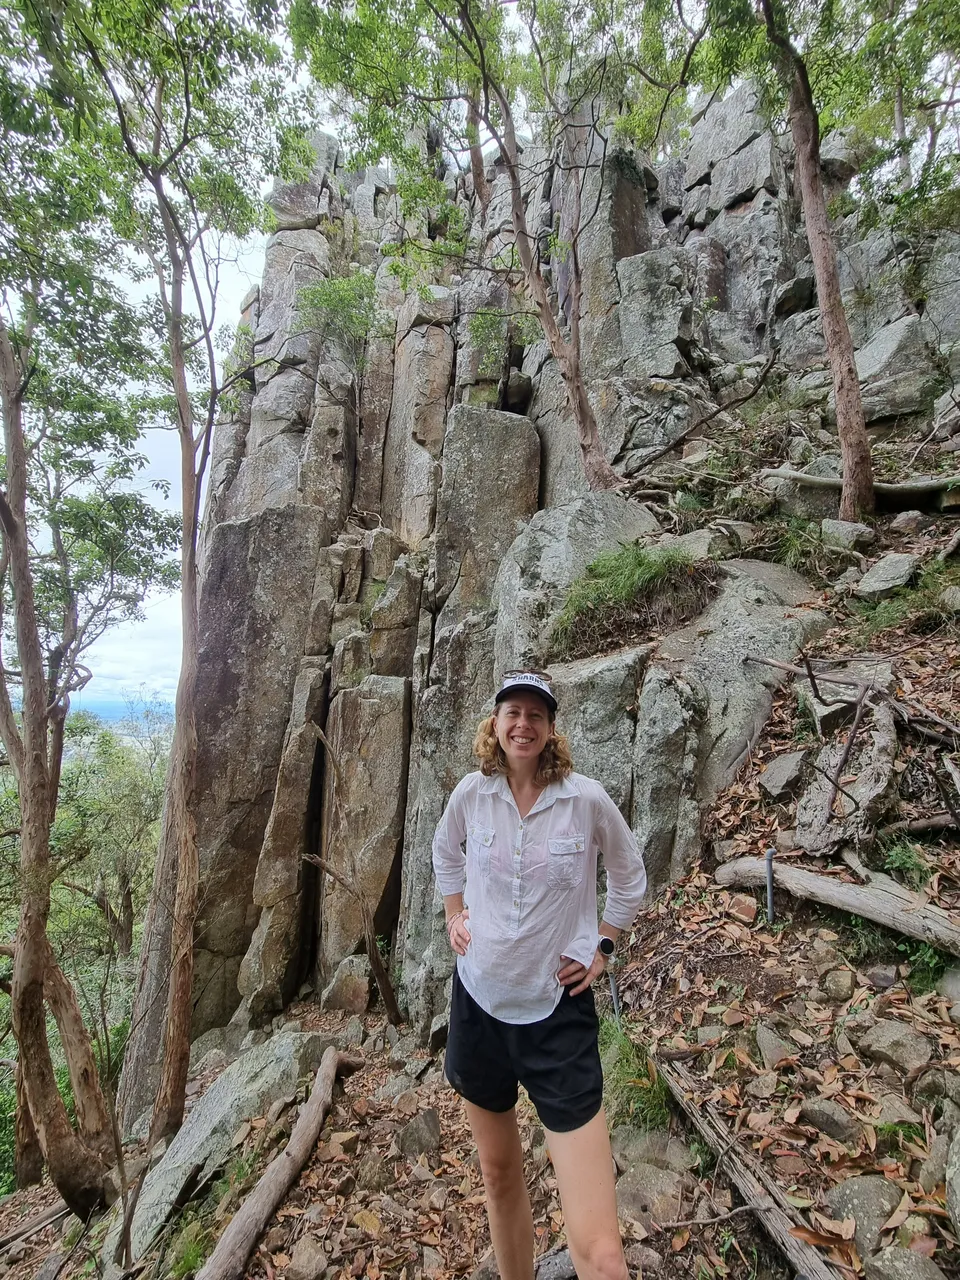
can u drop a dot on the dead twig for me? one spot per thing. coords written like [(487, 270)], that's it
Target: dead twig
[(848, 747), (720, 1217)]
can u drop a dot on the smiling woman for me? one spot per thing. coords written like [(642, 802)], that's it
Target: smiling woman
[(519, 842)]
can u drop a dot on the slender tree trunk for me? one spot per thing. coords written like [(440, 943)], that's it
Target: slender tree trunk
[(93, 1119), (123, 936), (75, 1170), (27, 1156), (857, 496), (900, 128), (182, 825), (597, 470)]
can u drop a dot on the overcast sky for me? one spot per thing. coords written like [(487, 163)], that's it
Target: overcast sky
[(142, 659)]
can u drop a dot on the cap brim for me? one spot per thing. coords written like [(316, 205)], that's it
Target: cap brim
[(548, 698)]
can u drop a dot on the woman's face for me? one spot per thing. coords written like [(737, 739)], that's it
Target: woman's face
[(522, 725)]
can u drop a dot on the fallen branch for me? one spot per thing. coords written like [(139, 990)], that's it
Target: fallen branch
[(763, 1196), (917, 826), (229, 1259), (720, 1217), (879, 898), (946, 552), (897, 494), (33, 1225)]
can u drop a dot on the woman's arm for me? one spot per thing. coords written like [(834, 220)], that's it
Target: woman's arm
[(449, 865), (626, 876)]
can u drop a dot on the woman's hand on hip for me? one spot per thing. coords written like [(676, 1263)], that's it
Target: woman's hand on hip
[(578, 976), (458, 931)]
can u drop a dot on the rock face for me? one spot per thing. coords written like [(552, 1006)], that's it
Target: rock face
[(377, 544), (243, 1091)]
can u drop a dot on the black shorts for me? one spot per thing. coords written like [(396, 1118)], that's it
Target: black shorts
[(556, 1059)]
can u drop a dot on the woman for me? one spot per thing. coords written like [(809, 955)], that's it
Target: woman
[(528, 949)]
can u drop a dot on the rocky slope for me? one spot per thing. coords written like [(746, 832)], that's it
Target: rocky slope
[(369, 563)]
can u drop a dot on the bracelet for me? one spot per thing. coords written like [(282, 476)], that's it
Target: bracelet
[(453, 919)]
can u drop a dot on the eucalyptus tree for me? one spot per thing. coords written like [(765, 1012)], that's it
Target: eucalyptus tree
[(194, 99), (79, 546), (435, 85)]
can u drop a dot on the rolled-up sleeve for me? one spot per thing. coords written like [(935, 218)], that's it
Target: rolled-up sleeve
[(449, 859), (626, 875)]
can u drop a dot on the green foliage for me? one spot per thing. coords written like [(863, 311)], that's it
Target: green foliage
[(865, 942), (616, 579), (633, 1091), (343, 310), (189, 1250), (488, 332), (906, 861), (919, 608)]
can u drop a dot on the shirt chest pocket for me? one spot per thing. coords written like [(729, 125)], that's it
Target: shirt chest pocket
[(567, 857), (479, 848)]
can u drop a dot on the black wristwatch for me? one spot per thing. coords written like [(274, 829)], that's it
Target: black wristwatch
[(606, 946)]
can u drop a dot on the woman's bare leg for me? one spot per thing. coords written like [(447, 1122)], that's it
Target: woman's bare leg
[(508, 1202), (584, 1168)]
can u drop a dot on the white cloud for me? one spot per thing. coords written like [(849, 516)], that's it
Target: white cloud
[(137, 655)]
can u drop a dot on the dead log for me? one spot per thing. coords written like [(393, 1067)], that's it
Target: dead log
[(920, 826), (890, 497), (879, 898), (774, 1212), (229, 1259), (23, 1230)]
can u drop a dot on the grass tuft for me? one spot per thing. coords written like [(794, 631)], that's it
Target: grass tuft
[(633, 1092), (920, 608), (906, 861), (632, 587)]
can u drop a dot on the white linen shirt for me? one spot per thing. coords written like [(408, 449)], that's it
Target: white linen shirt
[(531, 885)]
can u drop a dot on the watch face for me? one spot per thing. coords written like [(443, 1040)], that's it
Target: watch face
[(607, 946)]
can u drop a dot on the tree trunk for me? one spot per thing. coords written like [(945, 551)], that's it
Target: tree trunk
[(93, 1120), (27, 1156), (123, 932), (856, 498), (597, 470), (182, 824), (76, 1171), (144, 1052)]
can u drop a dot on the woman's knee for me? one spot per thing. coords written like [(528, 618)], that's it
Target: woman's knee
[(600, 1258), (502, 1174)]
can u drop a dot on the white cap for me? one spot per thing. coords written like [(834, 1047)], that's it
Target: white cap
[(531, 680)]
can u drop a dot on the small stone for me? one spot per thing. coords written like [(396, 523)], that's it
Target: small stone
[(309, 1260), (557, 1266), (934, 1169), (710, 1033), (840, 985), (897, 1044), (373, 1173), (432, 1261), (642, 1259), (782, 776), (437, 1038), (831, 1118), (351, 1037), (347, 1185), (881, 976), (650, 1146), (763, 1086), (869, 1200), (743, 908), (772, 1048), (909, 522), (487, 1269), (846, 534), (949, 984), (215, 1060), (349, 988), (894, 1263), (889, 574), (347, 1142), (893, 1110), (646, 1194), (421, 1134), (394, 1086), (950, 599)]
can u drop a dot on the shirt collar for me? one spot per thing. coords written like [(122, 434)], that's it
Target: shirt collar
[(496, 784)]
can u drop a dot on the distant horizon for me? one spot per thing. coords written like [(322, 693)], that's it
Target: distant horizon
[(113, 710)]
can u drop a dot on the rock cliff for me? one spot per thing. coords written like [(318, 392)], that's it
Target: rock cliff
[(376, 548)]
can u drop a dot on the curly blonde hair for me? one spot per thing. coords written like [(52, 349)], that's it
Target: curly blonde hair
[(556, 762)]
